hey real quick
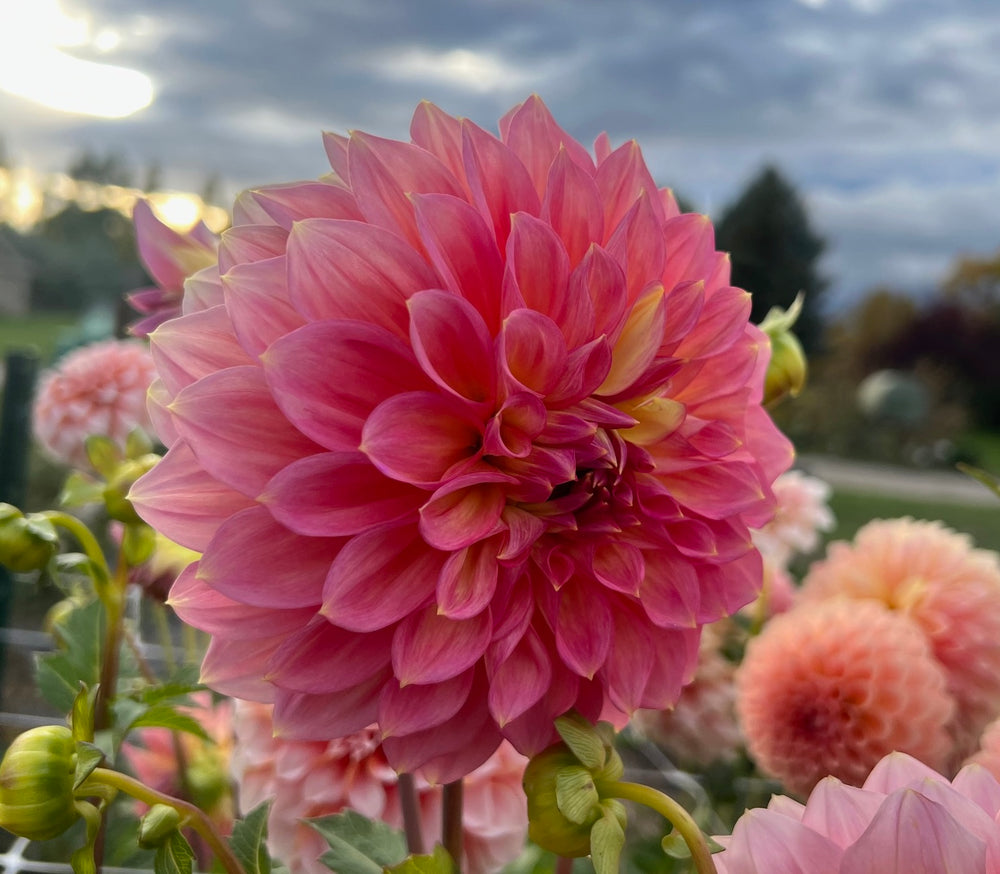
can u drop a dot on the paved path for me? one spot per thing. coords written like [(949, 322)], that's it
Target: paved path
[(882, 479)]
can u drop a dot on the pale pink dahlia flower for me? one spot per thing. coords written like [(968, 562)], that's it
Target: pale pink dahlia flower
[(170, 257), (802, 513), (831, 688), (98, 389), (308, 779), (471, 436), (905, 819), (988, 754), (952, 591)]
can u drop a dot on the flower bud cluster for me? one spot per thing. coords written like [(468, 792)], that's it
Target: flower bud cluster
[(27, 543)]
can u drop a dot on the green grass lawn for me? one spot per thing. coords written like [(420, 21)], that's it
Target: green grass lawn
[(39, 330)]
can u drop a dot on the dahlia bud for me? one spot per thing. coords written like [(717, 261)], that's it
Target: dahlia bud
[(27, 543), (786, 372), (157, 825), (116, 500), (36, 783)]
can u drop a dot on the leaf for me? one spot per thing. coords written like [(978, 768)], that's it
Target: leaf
[(138, 544), (582, 739), (103, 455), (176, 688), (88, 757), (249, 840), (607, 838), (166, 716), (59, 674), (78, 564), (80, 489), (987, 479), (359, 845), (137, 443), (438, 862), (83, 713), (576, 795), (173, 856)]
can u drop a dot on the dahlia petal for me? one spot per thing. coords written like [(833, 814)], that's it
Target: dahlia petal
[(157, 401), (338, 494), (729, 587), (291, 202), (520, 680), (675, 657), (637, 244), (840, 812), (621, 178), (898, 771), (523, 529), (244, 244), (533, 351), (417, 436), (684, 305), (629, 662), (236, 667), (453, 345), (335, 146), (463, 250), (202, 290), (512, 431), (458, 515), (179, 500), (619, 566), (586, 368), (638, 343), (322, 659), (782, 845), (301, 716), (717, 491), (722, 321), (352, 270), (372, 366), (601, 278), (247, 560), (690, 241), (538, 267), (468, 580), (583, 627), (408, 709), (257, 302), (431, 648), (773, 450), (379, 577), (440, 134), (976, 782), (235, 429), (572, 205)]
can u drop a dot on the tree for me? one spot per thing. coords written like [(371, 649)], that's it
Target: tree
[(775, 251)]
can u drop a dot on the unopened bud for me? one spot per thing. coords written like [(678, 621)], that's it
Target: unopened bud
[(158, 824), (548, 826), (27, 543), (116, 500), (786, 371)]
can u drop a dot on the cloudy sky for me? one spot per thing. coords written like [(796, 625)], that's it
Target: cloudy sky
[(884, 113)]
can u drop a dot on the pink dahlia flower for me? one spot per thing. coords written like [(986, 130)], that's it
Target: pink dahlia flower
[(471, 436), (170, 257), (802, 512), (905, 819), (309, 779), (950, 590), (988, 754), (98, 389), (831, 688)]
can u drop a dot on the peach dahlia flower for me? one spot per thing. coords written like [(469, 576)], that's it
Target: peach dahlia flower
[(470, 434)]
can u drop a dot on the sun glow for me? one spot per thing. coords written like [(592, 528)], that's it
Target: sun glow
[(34, 65)]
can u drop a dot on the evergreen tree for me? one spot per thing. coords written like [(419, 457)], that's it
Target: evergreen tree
[(775, 251)]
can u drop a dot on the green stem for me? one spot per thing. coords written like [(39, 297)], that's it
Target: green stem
[(674, 813), (84, 536), (451, 821), (114, 605), (163, 630), (193, 816)]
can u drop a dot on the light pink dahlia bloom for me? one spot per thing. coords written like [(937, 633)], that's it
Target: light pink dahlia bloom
[(950, 590), (802, 513), (831, 688), (905, 819), (170, 257), (98, 389), (309, 779), (471, 436)]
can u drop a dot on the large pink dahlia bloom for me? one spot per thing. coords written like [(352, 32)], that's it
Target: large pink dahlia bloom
[(906, 819), (469, 435)]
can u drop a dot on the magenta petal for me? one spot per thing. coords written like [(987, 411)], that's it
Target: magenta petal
[(257, 303), (248, 560), (235, 429), (690, 243), (669, 592), (459, 515), (573, 207), (301, 716), (629, 662), (538, 262), (295, 201), (534, 350), (431, 648), (408, 709), (440, 134), (416, 437), (520, 680), (619, 566), (236, 667), (675, 657), (370, 364), (166, 253), (601, 278), (637, 244), (622, 178), (178, 499), (322, 658), (523, 529), (583, 627), (453, 345), (716, 490), (338, 494), (468, 580), (380, 577)]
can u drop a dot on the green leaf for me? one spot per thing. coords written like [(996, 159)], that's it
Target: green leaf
[(88, 757), (103, 454), (987, 479), (59, 674), (607, 838), (359, 845), (438, 862), (174, 856), (83, 713), (176, 690), (166, 716), (80, 489), (78, 564), (582, 739), (576, 795), (249, 840), (138, 543)]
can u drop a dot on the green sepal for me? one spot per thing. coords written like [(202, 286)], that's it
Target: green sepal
[(437, 862), (102, 453), (79, 490), (88, 758), (576, 795), (82, 718), (174, 855), (582, 738), (82, 861), (138, 544), (607, 838), (157, 825), (359, 845)]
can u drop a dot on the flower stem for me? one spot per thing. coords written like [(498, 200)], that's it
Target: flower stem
[(84, 536), (674, 813), (411, 814), (451, 822), (195, 818), (114, 606)]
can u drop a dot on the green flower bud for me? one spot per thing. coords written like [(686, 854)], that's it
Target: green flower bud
[(786, 371), (548, 825), (27, 543), (36, 783), (116, 500), (157, 825)]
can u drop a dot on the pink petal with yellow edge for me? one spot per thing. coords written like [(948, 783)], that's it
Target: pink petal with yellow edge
[(533, 350), (157, 401), (840, 812), (335, 146), (539, 265), (183, 503), (619, 566), (459, 514), (621, 178), (601, 278), (203, 607), (523, 529), (321, 658), (534, 136), (236, 667), (583, 627), (638, 343), (586, 368), (637, 244), (572, 205), (431, 648), (440, 134), (294, 201), (463, 250), (629, 661), (202, 290), (247, 560), (371, 365), (338, 494), (520, 680), (186, 351), (417, 437), (690, 241), (468, 581), (383, 175), (499, 182), (911, 834), (684, 304), (512, 431), (257, 302), (764, 841), (453, 345), (248, 243), (379, 578), (235, 429), (352, 270), (301, 716), (408, 709)]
